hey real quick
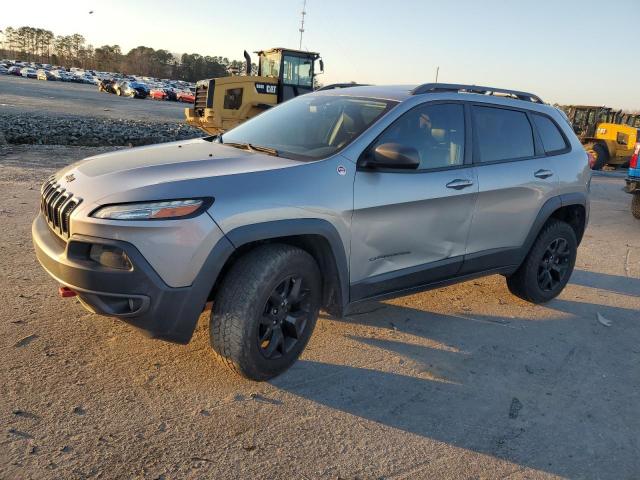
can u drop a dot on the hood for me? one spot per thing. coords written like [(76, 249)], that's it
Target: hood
[(144, 173)]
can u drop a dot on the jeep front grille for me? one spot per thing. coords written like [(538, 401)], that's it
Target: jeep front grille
[(56, 205)]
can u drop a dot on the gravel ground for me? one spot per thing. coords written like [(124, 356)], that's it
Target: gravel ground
[(461, 382), (55, 113)]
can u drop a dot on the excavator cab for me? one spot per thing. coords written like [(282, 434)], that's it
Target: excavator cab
[(225, 102)]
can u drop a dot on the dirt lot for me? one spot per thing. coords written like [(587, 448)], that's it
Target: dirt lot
[(461, 382), (20, 95)]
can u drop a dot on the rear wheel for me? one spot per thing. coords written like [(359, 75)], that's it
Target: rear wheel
[(548, 265), (265, 310), (602, 156), (635, 205)]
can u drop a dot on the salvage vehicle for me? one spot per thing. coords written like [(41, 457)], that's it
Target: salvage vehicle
[(131, 89), (158, 94), (185, 96), (326, 201), (28, 72), (107, 86), (632, 182), (225, 102), (14, 70), (43, 74)]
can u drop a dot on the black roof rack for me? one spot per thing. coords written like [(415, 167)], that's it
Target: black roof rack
[(453, 87)]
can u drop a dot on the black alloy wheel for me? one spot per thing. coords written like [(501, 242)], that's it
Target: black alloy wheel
[(284, 318), (554, 265)]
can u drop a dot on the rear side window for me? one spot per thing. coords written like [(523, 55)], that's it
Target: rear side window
[(502, 134), (552, 139)]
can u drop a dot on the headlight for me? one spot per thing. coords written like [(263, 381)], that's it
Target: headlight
[(164, 210)]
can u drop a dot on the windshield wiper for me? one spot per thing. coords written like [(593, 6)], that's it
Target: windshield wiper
[(253, 148)]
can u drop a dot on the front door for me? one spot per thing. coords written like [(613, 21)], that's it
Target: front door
[(410, 227)]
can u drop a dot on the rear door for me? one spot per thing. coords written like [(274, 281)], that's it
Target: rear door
[(410, 227), (515, 178)]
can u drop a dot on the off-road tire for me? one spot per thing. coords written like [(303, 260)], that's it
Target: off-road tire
[(242, 299), (602, 156), (524, 282), (635, 205)]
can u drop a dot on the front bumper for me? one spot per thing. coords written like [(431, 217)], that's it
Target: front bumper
[(137, 296)]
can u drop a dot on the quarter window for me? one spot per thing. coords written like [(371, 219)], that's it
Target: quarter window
[(435, 131), (552, 139), (502, 134)]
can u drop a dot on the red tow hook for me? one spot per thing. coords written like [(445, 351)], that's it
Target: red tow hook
[(66, 292)]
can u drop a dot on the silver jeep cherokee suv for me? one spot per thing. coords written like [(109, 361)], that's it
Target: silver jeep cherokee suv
[(331, 199)]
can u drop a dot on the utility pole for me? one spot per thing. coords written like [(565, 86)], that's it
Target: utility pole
[(437, 72), (304, 12)]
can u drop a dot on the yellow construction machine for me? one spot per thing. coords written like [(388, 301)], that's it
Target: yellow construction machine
[(224, 102), (609, 135)]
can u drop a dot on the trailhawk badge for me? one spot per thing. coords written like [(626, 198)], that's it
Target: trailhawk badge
[(70, 178), (341, 170)]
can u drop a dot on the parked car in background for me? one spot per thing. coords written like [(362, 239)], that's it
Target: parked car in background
[(4, 70), (28, 72), (186, 96), (43, 74), (107, 86), (62, 75), (131, 89), (15, 70), (158, 94), (633, 182)]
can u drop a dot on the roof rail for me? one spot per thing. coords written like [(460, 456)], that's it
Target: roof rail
[(453, 87), (342, 85)]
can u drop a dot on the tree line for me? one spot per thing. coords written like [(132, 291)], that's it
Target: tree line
[(42, 46)]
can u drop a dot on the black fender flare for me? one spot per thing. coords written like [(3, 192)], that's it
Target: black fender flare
[(296, 227), (547, 210)]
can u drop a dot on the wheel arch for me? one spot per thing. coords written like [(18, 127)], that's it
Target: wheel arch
[(316, 236), (572, 208)]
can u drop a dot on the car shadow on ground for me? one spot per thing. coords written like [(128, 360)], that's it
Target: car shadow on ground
[(603, 281), (555, 394)]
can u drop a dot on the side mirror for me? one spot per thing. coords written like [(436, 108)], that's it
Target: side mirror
[(392, 155), (321, 65)]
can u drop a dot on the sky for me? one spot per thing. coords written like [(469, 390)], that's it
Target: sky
[(566, 51)]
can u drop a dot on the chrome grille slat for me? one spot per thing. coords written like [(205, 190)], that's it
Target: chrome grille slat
[(57, 205)]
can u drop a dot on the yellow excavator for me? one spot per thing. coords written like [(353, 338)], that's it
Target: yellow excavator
[(224, 102)]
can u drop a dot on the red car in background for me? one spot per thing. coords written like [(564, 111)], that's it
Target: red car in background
[(187, 97), (158, 94)]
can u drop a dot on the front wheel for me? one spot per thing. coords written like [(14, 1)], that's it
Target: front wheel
[(635, 205), (548, 265), (265, 310)]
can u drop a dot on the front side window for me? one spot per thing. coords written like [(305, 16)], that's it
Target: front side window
[(297, 71), (310, 126), (435, 131), (502, 134), (552, 139)]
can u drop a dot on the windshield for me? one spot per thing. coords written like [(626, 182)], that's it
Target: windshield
[(310, 126)]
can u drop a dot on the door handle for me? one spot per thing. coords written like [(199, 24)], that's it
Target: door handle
[(459, 183), (543, 173)]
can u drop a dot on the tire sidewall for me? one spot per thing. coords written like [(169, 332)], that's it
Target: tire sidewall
[(558, 230)]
